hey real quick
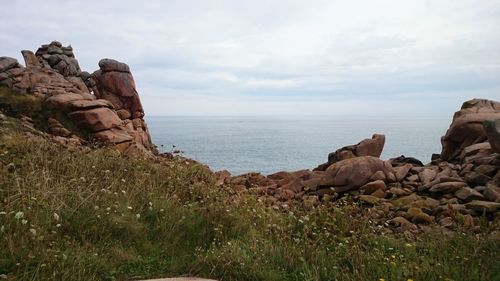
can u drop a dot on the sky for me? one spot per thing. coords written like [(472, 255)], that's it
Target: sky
[(281, 57)]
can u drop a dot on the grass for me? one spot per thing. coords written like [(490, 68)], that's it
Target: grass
[(21, 104), (91, 214)]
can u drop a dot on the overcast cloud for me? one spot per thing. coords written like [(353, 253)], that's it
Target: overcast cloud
[(264, 57)]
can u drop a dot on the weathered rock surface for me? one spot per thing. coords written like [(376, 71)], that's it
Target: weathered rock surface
[(106, 103), (355, 172), (115, 83), (467, 127), (367, 147)]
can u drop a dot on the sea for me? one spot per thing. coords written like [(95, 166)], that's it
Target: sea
[(268, 144)]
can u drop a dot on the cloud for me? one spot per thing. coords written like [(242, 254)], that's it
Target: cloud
[(272, 57)]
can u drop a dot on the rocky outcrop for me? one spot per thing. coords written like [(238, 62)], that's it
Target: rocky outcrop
[(106, 103), (367, 147), (58, 58), (115, 83), (467, 127), (402, 192)]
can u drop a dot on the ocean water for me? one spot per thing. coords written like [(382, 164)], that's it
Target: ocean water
[(271, 144)]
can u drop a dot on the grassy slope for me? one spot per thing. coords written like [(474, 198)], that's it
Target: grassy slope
[(94, 215)]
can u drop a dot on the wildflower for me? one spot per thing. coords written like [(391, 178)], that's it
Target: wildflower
[(138, 216), (24, 221), (58, 225), (56, 216), (33, 231), (19, 215)]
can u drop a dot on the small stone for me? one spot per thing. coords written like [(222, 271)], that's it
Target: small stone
[(492, 193), (475, 178), (396, 191), (418, 216), (373, 186), (468, 194), (447, 222), (447, 187), (483, 206), (405, 201), (413, 178), (488, 170), (370, 199), (379, 193), (402, 171)]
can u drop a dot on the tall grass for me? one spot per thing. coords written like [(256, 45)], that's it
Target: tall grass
[(91, 214)]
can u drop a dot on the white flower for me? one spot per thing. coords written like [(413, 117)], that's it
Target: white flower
[(58, 225), (138, 216), (33, 231), (24, 221), (56, 216), (19, 215)]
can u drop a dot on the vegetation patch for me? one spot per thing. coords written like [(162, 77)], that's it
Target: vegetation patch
[(91, 214)]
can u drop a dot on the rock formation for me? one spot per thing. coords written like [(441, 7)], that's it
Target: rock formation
[(106, 103), (467, 127), (367, 147), (402, 191)]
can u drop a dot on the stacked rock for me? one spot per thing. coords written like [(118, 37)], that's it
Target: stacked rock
[(106, 103), (59, 58)]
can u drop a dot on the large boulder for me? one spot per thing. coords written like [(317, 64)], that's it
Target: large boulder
[(97, 119), (367, 147), (355, 172), (115, 83), (467, 127), (7, 63)]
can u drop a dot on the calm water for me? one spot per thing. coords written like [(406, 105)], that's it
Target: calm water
[(271, 144)]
